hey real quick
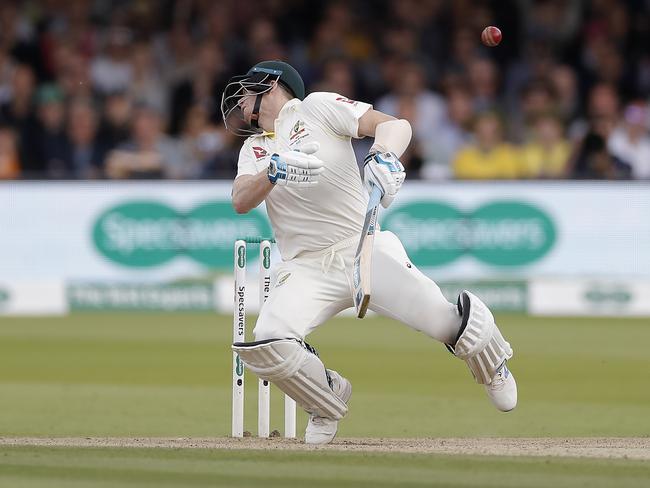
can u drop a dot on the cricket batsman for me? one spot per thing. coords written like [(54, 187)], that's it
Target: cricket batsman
[(298, 159)]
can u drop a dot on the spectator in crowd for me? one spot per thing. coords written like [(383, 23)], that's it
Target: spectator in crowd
[(581, 60), (603, 105), (17, 35), (424, 109), (537, 97), (263, 41), (223, 164), (85, 151), (204, 86), (592, 158), (337, 77), (115, 126), (564, 85), (454, 133), (112, 70), (9, 160), (604, 117), (150, 153), (340, 34), (484, 78), (546, 154), (19, 112), (604, 35), (6, 72), (222, 24), (402, 42), (173, 53), (75, 23), (630, 142), (465, 48), (19, 105), (147, 84), (71, 71), (201, 141), (489, 157), (385, 75), (49, 139), (427, 21), (530, 70), (593, 161), (554, 22)]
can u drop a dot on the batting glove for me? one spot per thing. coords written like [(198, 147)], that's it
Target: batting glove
[(385, 171), (298, 168)]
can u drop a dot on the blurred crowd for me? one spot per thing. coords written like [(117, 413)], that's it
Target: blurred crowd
[(131, 89)]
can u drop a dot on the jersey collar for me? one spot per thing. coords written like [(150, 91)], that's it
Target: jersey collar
[(286, 108), (284, 111)]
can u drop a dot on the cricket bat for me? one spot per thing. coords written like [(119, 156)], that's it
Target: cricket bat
[(363, 257)]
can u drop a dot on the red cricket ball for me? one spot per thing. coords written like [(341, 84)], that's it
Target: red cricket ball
[(491, 36)]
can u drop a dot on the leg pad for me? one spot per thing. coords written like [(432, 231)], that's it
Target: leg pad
[(293, 367), (480, 343)]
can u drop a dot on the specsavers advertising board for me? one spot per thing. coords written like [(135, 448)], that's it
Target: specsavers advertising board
[(160, 231)]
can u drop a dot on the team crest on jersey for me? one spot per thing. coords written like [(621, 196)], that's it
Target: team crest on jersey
[(260, 152), (298, 129), (298, 133)]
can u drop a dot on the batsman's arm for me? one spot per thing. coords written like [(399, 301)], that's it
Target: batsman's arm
[(391, 134), (382, 167), (298, 168), (248, 191)]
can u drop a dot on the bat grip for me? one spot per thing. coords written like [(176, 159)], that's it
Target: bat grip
[(375, 197)]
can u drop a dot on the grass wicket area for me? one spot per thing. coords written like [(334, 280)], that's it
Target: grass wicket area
[(130, 375)]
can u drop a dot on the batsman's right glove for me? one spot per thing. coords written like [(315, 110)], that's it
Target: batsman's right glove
[(385, 171)]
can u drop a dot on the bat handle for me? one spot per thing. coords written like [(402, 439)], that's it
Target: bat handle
[(375, 197)]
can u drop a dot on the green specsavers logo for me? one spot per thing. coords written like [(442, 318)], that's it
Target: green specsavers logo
[(239, 367), (500, 233), (266, 263), (145, 234), (241, 256)]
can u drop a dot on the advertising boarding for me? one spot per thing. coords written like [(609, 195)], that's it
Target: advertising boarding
[(162, 233)]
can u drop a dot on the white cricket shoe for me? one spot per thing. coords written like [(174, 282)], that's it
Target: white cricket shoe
[(321, 430), (503, 389)]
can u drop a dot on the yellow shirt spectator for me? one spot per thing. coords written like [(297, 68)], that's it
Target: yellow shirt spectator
[(545, 162), (547, 154), (499, 162), (489, 157)]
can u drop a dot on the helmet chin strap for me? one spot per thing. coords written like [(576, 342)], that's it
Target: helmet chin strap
[(255, 114)]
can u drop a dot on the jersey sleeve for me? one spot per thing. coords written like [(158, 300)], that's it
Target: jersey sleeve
[(247, 162), (337, 113)]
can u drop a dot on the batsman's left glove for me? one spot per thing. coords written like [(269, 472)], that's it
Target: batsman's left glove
[(297, 168), (385, 171)]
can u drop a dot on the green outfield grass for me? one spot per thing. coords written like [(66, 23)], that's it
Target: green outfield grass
[(169, 375), (108, 468)]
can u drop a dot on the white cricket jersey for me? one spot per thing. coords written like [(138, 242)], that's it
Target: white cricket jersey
[(312, 219)]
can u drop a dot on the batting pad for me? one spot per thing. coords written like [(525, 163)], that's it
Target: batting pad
[(480, 343), (296, 371)]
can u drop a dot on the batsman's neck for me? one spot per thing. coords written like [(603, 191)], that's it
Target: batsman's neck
[(272, 103)]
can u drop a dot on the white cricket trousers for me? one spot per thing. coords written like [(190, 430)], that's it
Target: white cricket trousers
[(312, 288)]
